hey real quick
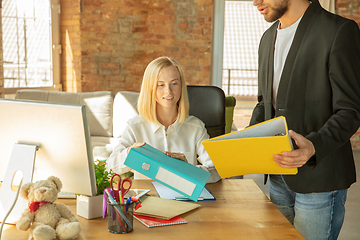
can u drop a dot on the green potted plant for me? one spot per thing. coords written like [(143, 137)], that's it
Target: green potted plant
[(90, 207), (102, 176)]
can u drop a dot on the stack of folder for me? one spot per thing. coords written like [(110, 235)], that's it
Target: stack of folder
[(156, 211)]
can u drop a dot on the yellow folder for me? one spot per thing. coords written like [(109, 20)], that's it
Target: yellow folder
[(251, 151)]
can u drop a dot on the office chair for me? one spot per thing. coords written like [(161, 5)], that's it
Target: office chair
[(208, 104), (230, 103)]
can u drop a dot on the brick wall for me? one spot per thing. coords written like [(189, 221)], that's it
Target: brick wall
[(71, 45), (119, 38), (349, 9)]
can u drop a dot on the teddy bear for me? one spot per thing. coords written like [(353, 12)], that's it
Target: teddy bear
[(45, 218)]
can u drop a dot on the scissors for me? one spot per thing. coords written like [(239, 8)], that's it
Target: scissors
[(121, 190)]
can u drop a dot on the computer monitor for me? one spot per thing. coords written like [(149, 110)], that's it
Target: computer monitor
[(62, 133)]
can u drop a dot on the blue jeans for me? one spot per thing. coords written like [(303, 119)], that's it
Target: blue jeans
[(315, 215)]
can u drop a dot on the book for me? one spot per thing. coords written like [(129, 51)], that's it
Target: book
[(157, 222), (251, 150), (165, 192)]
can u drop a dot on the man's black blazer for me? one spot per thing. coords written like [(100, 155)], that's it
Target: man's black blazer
[(319, 94)]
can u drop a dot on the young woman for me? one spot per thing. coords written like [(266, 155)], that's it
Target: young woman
[(163, 121)]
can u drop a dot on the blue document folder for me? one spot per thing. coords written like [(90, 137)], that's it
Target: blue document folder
[(178, 175)]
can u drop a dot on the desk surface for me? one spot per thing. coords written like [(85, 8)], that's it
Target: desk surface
[(241, 211)]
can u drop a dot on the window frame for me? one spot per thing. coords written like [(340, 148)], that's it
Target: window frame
[(217, 43), (217, 53), (56, 52)]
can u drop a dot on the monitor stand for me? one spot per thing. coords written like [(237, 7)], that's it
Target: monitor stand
[(22, 160)]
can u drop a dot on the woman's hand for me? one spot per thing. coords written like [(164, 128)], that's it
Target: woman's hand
[(136, 145), (179, 156)]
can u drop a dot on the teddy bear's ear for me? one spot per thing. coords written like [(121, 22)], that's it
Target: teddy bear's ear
[(24, 190), (56, 181)]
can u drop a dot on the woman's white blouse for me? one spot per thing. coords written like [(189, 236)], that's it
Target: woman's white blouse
[(184, 138)]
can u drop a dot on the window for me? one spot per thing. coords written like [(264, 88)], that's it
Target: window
[(244, 26), (31, 49), (238, 27)]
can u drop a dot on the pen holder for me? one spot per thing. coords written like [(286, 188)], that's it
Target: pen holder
[(120, 217)]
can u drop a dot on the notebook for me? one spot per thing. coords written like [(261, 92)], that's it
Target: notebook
[(157, 222)]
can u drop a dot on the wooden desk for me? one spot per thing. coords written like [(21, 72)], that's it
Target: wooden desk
[(241, 211)]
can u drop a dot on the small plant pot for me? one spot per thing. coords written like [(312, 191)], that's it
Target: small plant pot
[(89, 207)]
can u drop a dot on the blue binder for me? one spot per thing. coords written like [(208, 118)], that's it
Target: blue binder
[(178, 175)]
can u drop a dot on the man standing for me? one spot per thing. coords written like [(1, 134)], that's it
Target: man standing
[(309, 72)]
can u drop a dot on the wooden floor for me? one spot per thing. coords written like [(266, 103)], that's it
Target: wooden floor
[(351, 227)]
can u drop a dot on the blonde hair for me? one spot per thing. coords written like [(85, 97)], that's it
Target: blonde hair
[(147, 98)]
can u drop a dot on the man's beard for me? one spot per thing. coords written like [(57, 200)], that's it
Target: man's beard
[(277, 11)]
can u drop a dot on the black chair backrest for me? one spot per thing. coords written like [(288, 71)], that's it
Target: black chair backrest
[(208, 104)]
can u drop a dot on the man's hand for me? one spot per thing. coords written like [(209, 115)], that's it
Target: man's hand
[(298, 157)]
